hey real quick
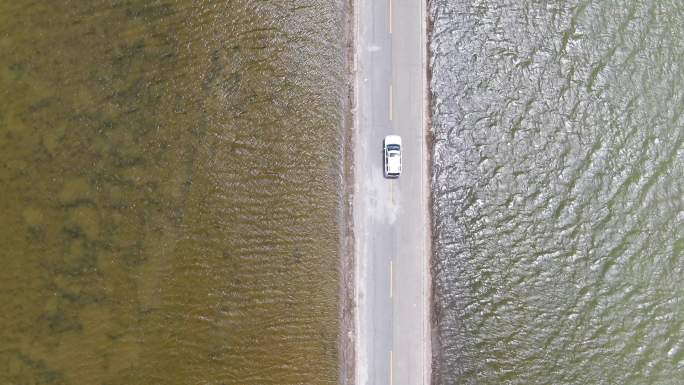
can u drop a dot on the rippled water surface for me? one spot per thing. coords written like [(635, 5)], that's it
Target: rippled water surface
[(168, 213), (558, 192)]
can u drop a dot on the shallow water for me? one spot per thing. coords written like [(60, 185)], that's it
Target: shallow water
[(169, 214), (557, 179)]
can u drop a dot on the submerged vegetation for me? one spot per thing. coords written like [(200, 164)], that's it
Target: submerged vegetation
[(168, 215)]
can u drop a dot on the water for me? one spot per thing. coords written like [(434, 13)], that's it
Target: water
[(558, 168), (169, 174)]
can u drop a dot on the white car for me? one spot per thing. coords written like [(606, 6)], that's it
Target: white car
[(392, 153)]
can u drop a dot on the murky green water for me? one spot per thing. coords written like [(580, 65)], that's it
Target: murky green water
[(169, 183), (558, 192)]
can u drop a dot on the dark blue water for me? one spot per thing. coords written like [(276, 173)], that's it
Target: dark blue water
[(557, 179)]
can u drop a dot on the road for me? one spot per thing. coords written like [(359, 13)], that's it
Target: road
[(391, 222)]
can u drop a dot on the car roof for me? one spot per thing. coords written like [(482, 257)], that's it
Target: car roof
[(393, 163)]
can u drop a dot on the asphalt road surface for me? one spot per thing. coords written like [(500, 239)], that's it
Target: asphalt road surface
[(391, 223)]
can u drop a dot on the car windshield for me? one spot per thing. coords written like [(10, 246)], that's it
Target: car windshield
[(392, 147)]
